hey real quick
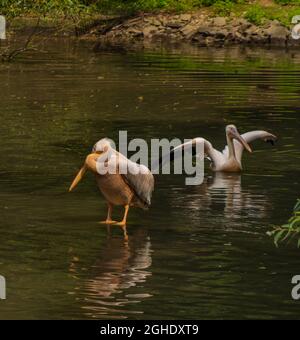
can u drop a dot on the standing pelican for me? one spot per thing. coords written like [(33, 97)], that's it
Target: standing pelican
[(230, 160), (121, 181)]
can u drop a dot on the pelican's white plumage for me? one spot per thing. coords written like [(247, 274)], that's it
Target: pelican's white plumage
[(249, 138), (230, 160)]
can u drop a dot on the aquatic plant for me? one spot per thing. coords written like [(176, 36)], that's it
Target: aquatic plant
[(289, 230)]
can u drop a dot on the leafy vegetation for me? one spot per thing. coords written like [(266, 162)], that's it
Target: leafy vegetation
[(177, 5), (223, 8), (288, 2), (289, 230), (255, 14), (46, 6), (11, 7), (282, 10)]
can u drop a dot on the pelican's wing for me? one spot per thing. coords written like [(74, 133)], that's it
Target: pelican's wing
[(250, 137), (140, 180), (215, 156)]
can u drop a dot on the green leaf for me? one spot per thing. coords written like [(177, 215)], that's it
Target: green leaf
[(297, 206), (278, 236), (289, 230), (295, 222), (287, 235)]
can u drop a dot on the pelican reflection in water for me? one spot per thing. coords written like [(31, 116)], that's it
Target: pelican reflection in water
[(224, 190), (117, 279)]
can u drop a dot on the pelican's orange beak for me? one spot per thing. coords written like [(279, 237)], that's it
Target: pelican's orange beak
[(78, 177), (89, 164), (238, 137)]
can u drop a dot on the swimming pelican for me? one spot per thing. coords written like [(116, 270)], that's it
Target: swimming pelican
[(230, 160), (121, 181)]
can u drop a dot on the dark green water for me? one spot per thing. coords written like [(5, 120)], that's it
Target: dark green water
[(199, 252)]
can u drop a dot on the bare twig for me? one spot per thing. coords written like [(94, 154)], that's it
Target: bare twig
[(10, 55)]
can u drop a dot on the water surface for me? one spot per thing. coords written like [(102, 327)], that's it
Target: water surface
[(199, 252)]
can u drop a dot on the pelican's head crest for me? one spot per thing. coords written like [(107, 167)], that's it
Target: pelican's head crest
[(103, 145), (233, 133), (231, 129)]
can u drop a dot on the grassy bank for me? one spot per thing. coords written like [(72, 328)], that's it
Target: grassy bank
[(254, 11)]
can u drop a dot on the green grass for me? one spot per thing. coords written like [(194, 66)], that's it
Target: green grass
[(256, 14), (156, 5), (223, 8), (282, 10), (146, 5), (288, 2), (12, 8)]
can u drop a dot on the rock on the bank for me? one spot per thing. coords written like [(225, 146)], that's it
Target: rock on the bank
[(197, 28)]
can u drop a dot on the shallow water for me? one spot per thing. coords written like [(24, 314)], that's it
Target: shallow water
[(199, 252)]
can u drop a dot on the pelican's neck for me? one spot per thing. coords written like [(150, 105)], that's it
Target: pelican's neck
[(230, 147)]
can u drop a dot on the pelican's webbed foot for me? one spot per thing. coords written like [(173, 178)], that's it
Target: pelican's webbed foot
[(108, 222), (121, 224), (109, 215)]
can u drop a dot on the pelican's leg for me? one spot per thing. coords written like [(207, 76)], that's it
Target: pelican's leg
[(108, 218), (125, 233), (124, 221)]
